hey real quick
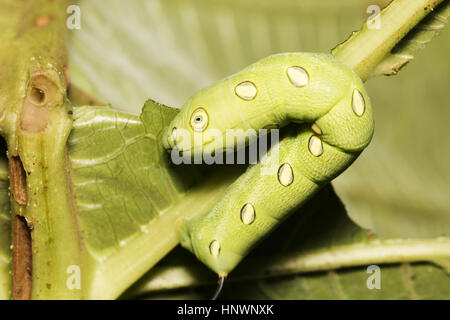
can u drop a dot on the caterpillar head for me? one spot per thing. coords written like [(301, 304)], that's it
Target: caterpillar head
[(204, 121)]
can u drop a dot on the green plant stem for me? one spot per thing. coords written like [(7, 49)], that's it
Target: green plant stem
[(36, 123), (365, 49)]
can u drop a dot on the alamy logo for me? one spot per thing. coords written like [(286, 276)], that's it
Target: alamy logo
[(205, 311), (74, 279), (374, 281), (214, 147), (374, 20), (247, 309), (74, 20)]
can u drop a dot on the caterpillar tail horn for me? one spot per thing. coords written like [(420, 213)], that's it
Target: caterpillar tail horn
[(219, 288)]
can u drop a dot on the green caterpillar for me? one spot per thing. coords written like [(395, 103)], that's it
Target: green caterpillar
[(333, 110)]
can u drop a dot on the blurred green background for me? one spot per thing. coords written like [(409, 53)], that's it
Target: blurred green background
[(128, 51)]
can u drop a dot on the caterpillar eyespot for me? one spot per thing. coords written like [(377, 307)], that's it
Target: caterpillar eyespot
[(199, 120), (328, 103)]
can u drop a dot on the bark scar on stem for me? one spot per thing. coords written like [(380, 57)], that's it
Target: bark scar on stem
[(42, 94), (22, 260), (42, 20), (18, 180)]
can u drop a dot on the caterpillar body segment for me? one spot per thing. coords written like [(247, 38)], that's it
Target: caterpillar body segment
[(335, 124)]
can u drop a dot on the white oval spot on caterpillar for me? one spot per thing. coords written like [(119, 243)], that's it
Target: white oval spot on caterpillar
[(358, 103), (199, 120), (285, 174), (315, 146), (247, 214), (316, 128), (298, 76), (214, 248), (173, 136), (246, 90)]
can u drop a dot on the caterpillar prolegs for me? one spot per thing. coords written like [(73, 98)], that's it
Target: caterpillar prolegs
[(333, 110)]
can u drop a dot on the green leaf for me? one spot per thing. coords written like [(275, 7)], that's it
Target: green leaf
[(398, 281), (120, 173), (318, 253), (129, 194)]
